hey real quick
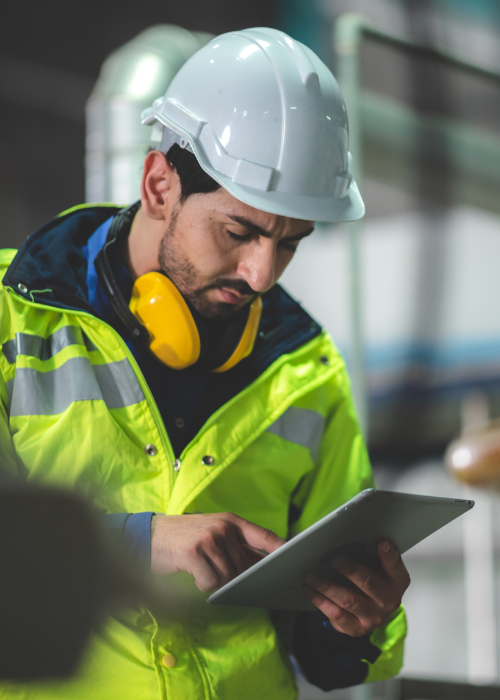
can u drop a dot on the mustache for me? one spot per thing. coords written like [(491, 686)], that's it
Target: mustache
[(239, 286)]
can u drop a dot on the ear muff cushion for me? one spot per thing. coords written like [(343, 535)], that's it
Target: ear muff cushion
[(247, 339), (159, 306), (223, 339)]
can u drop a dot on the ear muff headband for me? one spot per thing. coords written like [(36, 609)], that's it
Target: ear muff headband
[(118, 232)]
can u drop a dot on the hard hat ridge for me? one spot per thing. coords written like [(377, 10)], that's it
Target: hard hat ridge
[(265, 118)]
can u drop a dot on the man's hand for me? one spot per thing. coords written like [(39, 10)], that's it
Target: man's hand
[(214, 548), (360, 610)]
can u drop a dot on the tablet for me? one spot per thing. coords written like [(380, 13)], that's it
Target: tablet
[(354, 529)]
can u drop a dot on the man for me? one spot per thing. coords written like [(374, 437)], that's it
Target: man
[(212, 412)]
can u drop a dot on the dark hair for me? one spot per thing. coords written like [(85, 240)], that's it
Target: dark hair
[(193, 178)]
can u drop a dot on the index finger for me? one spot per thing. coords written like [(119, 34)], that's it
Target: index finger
[(259, 537)]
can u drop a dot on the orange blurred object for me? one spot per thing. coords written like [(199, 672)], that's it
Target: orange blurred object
[(474, 458)]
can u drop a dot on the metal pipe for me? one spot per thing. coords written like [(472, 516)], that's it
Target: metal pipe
[(131, 78), (347, 37)]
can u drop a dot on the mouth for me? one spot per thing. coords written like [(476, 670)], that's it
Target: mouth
[(230, 296)]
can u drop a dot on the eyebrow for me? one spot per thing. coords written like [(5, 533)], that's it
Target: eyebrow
[(251, 226)]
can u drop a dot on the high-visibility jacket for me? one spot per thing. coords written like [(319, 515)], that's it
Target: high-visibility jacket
[(76, 412)]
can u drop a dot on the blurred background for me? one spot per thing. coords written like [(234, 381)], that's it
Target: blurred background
[(410, 295)]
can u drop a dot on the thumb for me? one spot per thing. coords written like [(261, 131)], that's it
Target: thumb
[(389, 558)]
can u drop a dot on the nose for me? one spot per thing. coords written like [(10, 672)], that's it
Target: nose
[(258, 266)]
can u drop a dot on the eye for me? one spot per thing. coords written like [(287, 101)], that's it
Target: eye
[(290, 246), (238, 237)]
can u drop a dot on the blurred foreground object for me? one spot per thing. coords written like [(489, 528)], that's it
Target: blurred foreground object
[(59, 577), (130, 79)]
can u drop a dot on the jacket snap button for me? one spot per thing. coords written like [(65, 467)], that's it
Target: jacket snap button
[(150, 450), (169, 661), (324, 360), (177, 465), (208, 461), (22, 287)]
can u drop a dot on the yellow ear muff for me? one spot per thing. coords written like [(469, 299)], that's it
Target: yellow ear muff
[(174, 338), (159, 306), (247, 340)]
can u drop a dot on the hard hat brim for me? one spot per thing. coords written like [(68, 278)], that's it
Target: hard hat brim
[(349, 208)]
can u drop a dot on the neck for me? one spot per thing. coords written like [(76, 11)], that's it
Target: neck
[(141, 248)]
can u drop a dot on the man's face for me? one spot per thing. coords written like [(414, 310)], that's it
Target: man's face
[(221, 253)]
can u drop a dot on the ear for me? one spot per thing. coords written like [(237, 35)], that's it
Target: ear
[(160, 186)]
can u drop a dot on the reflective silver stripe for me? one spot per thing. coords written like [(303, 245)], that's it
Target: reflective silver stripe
[(35, 393), (118, 384), (302, 426), (45, 348)]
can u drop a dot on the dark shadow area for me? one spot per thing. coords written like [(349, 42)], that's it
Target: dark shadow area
[(50, 57)]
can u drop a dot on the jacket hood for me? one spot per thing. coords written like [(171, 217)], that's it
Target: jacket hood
[(51, 265)]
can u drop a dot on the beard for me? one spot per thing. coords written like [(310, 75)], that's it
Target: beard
[(176, 266)]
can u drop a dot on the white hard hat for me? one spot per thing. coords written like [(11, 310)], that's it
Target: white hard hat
[(265, 118)]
